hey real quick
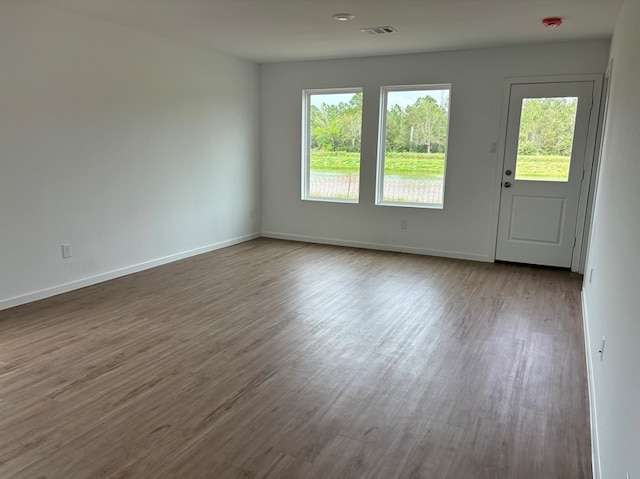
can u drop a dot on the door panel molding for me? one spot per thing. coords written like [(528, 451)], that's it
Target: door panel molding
[(526, 232)]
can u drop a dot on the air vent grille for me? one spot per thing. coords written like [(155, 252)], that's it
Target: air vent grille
[(378, 30)]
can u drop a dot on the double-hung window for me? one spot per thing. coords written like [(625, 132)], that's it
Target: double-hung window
[(331, 126), (412, 150)]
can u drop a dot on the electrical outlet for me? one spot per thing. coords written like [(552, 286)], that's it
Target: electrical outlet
[(601, 350), (590, 275), (66, 250), (403, 224)]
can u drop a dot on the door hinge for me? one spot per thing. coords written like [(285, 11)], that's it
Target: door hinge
[(582, 179), (591, 106), (574, 241)]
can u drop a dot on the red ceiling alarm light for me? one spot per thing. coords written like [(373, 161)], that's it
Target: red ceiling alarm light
[(552, 22)]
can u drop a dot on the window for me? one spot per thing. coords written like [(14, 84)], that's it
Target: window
[(414, 126), (331, 126)]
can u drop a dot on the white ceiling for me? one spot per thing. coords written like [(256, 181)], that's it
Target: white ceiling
[(281, 30)]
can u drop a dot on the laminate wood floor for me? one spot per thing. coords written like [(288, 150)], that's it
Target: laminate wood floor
[(275, 359)]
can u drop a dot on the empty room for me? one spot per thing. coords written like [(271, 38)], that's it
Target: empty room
[(319, 239)]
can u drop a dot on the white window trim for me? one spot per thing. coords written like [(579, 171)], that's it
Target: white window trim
[(382, 129), (306, 146)]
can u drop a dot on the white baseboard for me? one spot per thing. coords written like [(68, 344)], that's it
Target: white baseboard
[(377, 246), (595, 449), (99, 278)]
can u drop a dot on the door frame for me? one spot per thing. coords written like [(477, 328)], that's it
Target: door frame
[(595, 171), (577, 259)]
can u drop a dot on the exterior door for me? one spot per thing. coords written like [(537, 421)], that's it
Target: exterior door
[(545, 149)]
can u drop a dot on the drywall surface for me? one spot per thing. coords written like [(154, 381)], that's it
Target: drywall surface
[(612, 299), (466, 226), (133, 148)]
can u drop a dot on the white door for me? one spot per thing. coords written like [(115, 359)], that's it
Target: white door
[(545, 148)]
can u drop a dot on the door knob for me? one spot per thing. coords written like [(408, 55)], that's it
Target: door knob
[(507, 184)]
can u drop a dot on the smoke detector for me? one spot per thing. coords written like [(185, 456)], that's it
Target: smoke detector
[(552, 22)]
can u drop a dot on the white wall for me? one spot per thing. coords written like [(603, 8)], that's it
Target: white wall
[(466, 226), (130, 146), (612, 298)]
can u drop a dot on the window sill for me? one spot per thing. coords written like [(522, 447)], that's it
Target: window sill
[(331, 200), (429, 206)]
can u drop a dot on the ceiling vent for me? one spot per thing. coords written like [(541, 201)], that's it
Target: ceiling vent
[(378, 30)]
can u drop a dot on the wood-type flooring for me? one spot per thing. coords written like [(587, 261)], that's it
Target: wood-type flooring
[(275, 359)]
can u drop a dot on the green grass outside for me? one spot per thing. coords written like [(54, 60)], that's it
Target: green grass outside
[(429, 165), (542, 168)]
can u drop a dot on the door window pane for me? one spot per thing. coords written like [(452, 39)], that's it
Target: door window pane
[(546, 136)]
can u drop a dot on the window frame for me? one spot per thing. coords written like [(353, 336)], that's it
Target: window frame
[(382, 140), (306, 144)]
